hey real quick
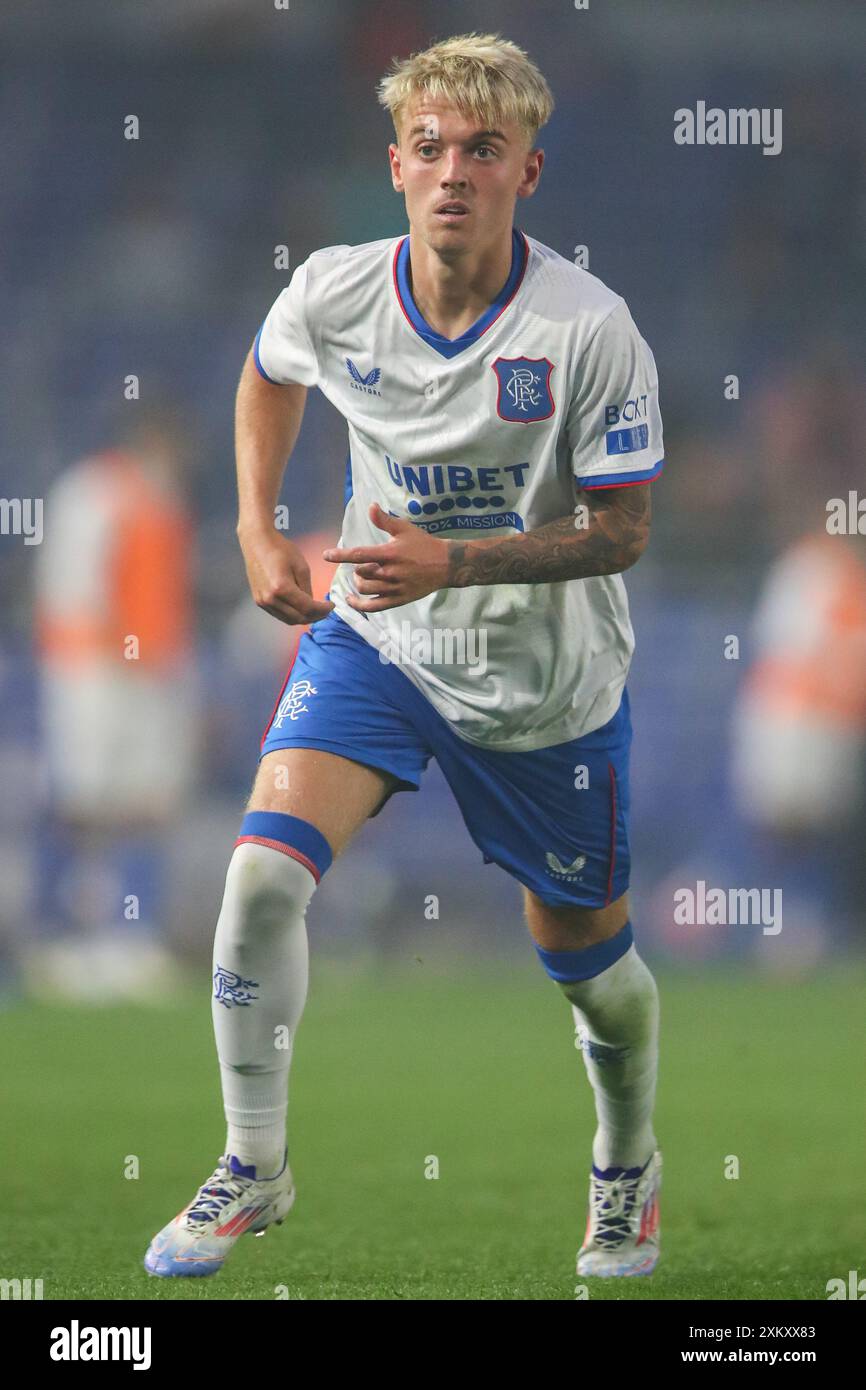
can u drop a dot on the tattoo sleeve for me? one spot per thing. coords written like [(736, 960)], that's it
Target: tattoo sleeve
[(606, 534)]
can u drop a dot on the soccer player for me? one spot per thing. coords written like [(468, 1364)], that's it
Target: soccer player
[(503, 432)]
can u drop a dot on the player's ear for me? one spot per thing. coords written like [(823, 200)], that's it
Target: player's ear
[(531, 173), (396, 169)]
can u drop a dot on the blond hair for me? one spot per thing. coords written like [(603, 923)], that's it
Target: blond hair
[(483, 75)]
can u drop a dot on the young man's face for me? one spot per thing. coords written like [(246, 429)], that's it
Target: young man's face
[(445, 157)]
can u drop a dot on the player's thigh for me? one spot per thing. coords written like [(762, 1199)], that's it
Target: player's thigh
[(334, 794), (566, 928)]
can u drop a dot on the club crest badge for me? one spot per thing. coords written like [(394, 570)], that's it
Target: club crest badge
[(230, 988), (524, 389)]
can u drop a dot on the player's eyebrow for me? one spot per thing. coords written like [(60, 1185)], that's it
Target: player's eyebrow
[(477, 135)]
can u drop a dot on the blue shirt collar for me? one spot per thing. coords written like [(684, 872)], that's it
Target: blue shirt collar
[(450, 347)]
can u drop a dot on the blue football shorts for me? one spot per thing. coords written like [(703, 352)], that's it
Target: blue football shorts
[(556, 819)]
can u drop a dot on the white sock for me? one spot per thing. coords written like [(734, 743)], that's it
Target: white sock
[(616, 1015), (261, 969)]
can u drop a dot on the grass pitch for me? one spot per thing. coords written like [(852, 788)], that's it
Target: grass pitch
[(476, 1069)]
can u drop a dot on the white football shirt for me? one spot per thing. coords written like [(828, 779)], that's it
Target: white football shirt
[(550, 392)]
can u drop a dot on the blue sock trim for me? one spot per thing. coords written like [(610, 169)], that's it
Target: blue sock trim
[(567, 966), (300, 838)]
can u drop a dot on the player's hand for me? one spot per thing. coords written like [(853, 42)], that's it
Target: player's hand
[(279, 577), (397, 571)]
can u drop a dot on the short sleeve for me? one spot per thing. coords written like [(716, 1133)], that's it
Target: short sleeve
[(614, 423), (284, 350)]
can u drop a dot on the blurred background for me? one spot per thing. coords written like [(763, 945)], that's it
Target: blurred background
[(135, 273)]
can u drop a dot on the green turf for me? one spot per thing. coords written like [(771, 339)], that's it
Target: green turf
[(479, 1070)]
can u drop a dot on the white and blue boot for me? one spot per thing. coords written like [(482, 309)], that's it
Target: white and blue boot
[(622, 1229), (232, 1201)]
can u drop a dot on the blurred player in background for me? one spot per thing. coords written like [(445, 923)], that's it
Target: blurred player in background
[(114, 625), (799, 729), (799, 746), (504, 429)]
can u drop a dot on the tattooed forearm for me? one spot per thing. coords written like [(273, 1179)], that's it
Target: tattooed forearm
[(612, 540)]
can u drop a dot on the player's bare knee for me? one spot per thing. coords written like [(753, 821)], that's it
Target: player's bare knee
[(333, 793), (567, 927)]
